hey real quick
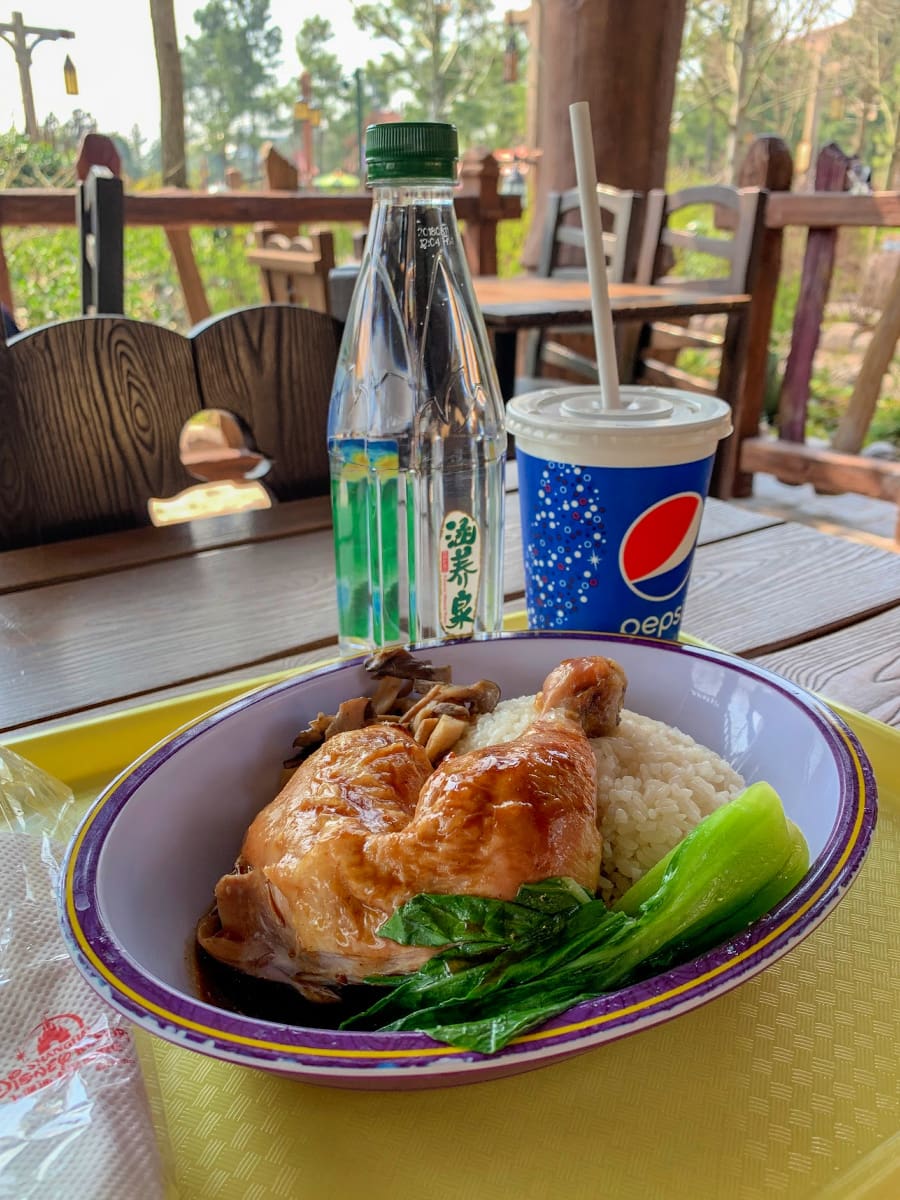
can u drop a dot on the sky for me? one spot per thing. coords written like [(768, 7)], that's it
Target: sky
[(113, 54)]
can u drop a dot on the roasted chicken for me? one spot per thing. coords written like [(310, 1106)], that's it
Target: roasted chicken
[(366, 822)]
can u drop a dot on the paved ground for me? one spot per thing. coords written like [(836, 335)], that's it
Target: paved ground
[(855, 517)]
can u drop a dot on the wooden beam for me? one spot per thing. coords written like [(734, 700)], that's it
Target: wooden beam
[(768, 165), (192, 288), (854, 424), (56, 206), (794, 463), (824, 210), (818, 266), (583, 47)]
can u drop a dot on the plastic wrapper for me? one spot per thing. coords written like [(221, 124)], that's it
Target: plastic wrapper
[(74, 1116)]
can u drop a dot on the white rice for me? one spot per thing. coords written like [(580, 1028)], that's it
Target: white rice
[(654, 784)]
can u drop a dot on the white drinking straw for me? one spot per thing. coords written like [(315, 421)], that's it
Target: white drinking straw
[(586, 172)]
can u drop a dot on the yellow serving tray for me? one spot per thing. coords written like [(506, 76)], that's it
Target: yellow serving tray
[(786, 1086)]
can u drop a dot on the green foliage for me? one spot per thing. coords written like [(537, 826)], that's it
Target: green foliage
[(444, 62), (229, 72), (44, 272), (733, 53), (24, 163), (511, 236)]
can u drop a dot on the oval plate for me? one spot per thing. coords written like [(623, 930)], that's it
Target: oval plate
[(143, 865)]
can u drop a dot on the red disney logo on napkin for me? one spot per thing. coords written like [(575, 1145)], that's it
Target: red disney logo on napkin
[(58, 1047)]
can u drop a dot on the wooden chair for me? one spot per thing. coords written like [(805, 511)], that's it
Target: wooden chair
[(563, 256), (273, 366), (295, 270), (92, 411), (740, 214)]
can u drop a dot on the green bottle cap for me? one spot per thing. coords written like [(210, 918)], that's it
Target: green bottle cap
[(411, 150)]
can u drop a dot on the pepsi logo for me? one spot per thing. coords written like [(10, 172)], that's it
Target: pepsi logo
[(655, 554)]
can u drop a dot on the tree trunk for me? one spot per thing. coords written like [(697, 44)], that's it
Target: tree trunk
[(622, 59), (893, 171), (736, 121), (171, 93)]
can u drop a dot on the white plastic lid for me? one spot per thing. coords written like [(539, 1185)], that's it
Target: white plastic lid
[(654, 427)]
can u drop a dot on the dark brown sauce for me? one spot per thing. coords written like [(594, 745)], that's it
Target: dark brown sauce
[(265, 1000)]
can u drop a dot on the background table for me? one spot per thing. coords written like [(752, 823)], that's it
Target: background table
[(524, 302), (128, 617)]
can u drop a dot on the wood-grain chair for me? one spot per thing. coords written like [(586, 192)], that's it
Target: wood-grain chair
[(563, 256), (92, 409), (273, 366), (687, 259), (294, 270)]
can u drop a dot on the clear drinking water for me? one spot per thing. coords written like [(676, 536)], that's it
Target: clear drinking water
[(416, 435)]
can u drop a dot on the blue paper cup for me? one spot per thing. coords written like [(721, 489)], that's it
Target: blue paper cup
[(611, 502)]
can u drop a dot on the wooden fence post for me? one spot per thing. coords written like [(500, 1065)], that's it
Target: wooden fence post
[(818, 265), (854, 424), (480, 176), (5, 286), (100, 217), (768, 165), (100, 208)]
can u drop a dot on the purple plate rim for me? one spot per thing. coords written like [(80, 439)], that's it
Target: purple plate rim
[(300, 1049)]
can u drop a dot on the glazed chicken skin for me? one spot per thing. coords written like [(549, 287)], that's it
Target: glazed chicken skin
[(365, 823)]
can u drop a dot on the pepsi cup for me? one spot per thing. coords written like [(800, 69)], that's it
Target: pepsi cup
[(611, 502)]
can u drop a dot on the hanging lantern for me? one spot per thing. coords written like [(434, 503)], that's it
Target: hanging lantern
[(510, 61), (836, 107), (71, 77), (510, 53)]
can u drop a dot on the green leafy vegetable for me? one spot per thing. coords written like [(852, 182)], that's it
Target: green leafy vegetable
[(507, 966)]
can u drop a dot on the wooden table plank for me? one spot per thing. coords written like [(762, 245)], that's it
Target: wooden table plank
[(778, 587), (722, 520), (69, 647), (858, 666), (83, 557), (112, 637), (531, 301)]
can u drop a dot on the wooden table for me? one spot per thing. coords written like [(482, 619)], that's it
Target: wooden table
[(111, 621), (532, 302)]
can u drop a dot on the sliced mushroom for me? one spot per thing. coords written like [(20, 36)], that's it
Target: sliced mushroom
[(424, 729), (437, 716), (350, 715), (446, 733), (394, 660), (389, 690)]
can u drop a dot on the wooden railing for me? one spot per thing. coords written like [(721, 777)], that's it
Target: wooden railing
[(823, 213), (478, 203), (481, 207)]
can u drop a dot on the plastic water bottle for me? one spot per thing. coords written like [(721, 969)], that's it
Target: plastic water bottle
[(416, 436)]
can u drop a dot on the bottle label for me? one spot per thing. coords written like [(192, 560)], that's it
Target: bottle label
[(459, 568)]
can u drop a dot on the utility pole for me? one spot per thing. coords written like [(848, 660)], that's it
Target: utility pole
[(360, 147), (17, 35), (309, 115)]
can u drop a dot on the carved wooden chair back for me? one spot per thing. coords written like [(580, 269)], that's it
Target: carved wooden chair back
[(91, 414), (92, 411), (273, 366)]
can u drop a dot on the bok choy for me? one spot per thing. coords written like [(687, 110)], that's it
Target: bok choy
[(505, 967)]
